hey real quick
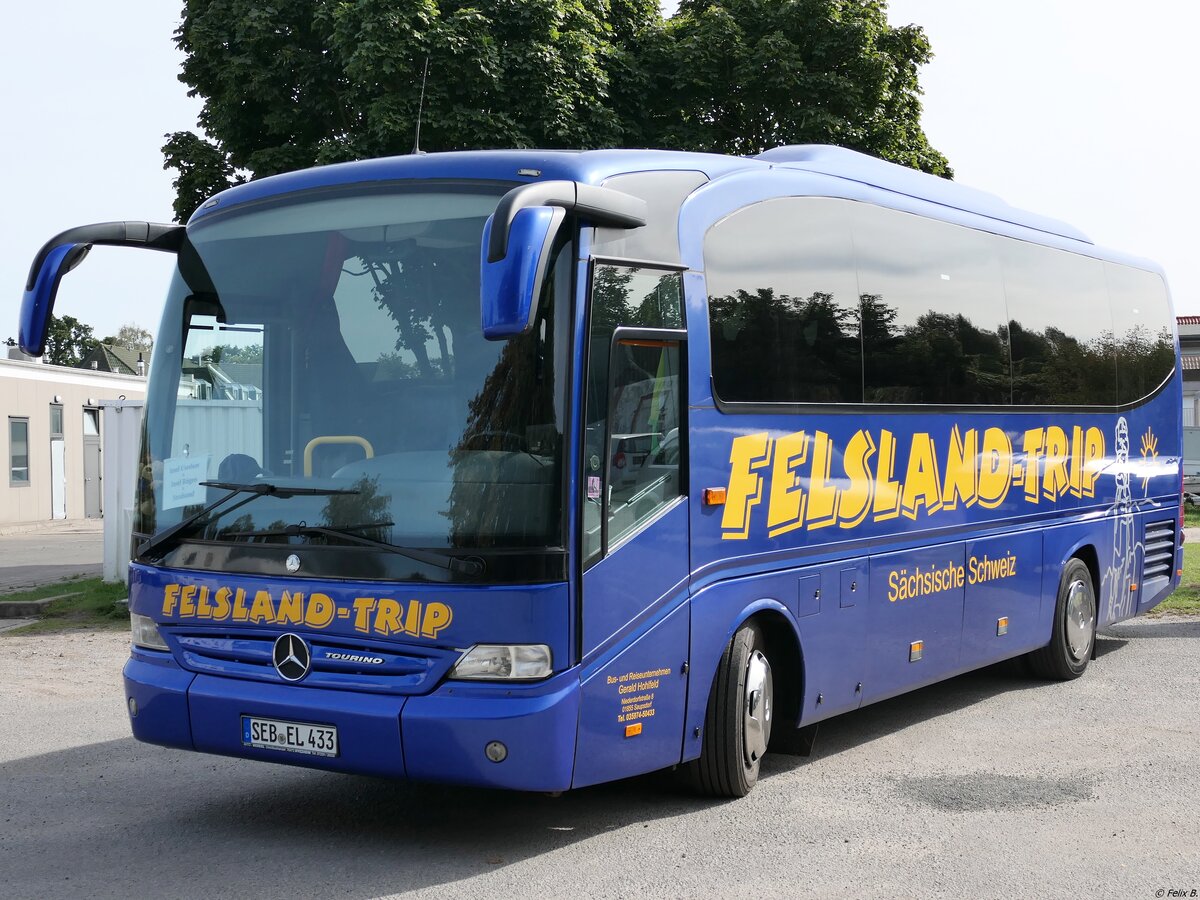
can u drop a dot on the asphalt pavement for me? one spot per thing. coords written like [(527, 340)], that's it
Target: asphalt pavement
[(48, 552), (989, 785)]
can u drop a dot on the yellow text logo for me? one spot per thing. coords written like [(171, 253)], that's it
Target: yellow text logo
[(808, 482), (368, 615)]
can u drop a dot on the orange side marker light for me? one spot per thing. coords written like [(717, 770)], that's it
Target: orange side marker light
[(633, 730), (714, 496)]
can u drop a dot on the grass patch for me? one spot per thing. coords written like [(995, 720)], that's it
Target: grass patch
[(94, 607), (1186, 599), (1191, 516)]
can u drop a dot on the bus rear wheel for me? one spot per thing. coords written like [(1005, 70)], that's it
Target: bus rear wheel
[(1074, 635), (737, 726)]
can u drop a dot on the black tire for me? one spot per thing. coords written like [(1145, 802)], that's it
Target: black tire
[(1074, 636), (729, 763)]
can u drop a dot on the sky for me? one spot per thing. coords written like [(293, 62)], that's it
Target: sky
[(1078, 109)]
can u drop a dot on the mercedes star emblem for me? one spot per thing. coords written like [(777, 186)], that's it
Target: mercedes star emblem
[(291, 657), (292, 563)]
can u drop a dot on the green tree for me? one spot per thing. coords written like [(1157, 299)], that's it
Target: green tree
[(68, 341), (742, 76), (229, 353), (131, 337), (292, 84), (289, 85)]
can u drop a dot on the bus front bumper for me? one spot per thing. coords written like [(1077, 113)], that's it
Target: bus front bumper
[(442, 736)]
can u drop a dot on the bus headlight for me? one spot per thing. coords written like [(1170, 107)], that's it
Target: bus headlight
[(145, 633), (507, 662)]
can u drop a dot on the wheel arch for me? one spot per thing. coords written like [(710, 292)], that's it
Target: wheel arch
[(1090, 558), (1085, 551), (780, 631)]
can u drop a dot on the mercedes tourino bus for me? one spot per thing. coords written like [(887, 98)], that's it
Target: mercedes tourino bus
[(541, 469)]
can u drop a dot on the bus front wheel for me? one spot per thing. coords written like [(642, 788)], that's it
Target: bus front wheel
[(737, 725), (1074, 635)]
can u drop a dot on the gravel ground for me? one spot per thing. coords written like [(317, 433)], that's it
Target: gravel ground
[(991, 785)]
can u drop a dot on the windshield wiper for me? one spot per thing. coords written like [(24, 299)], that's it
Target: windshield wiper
[(347, 533), (254, 489)]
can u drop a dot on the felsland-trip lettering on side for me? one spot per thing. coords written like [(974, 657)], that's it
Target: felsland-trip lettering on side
[(808, 484), (370, 615)]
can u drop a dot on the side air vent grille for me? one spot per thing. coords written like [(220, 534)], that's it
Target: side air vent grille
[(1160, 550)]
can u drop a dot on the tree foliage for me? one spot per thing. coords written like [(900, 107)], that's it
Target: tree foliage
[(131, 337), (741, 76), (68, 341), (230, 353), (292, 84)]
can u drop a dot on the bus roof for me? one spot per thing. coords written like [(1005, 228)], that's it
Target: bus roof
[(594, 166)]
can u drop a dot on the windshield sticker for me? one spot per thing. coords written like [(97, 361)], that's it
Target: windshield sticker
[(181, 481), (368, 615), (593, 487)]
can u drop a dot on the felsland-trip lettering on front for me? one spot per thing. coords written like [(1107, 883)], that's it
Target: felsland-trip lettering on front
[(809, 483), (368, 615)]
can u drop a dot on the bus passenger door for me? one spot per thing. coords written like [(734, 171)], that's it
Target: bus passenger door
[(634, 618)]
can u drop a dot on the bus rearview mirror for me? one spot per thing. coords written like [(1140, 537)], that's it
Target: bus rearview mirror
[(38, 301), (509, 287), (65, 251)]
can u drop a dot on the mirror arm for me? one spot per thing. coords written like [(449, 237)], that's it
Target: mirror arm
[(603, 206), (150, 235)]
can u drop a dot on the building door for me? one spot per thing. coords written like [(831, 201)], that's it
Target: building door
[(92, 507), (58, 464)]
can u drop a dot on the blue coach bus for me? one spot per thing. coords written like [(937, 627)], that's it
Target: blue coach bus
[(541, 469)]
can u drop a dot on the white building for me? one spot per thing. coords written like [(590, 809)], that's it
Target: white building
[(50, 441)]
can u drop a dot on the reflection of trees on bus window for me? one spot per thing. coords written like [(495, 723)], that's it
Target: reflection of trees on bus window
[(641, 464), (507, 460), (915, 311)]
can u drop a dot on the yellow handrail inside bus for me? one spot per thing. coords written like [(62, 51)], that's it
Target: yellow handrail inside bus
[(316, 442)]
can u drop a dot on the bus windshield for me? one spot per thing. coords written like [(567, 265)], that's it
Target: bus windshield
[(333, 341)]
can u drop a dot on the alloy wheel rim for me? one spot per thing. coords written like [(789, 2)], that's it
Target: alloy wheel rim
[(1080, 620), (757, 713)]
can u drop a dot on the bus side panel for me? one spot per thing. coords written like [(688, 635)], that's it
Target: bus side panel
[(632, 707), (1003, 611), (915, 619), (833, 641)]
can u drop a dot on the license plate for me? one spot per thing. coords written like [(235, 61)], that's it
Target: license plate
[(294, 737)]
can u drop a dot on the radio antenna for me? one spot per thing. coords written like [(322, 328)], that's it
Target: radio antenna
[(421, 109)]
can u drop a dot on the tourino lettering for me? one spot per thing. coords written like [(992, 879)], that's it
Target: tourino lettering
[(382, 615), (810, 483)]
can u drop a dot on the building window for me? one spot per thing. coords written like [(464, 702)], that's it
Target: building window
[(18, 451)]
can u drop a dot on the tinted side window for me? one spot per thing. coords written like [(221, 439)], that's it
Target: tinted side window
[(642, 470), (783, 304), (1060, 326), (932, 311), (1143, 339)]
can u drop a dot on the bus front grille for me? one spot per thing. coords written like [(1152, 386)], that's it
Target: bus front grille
[(336, 662)]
